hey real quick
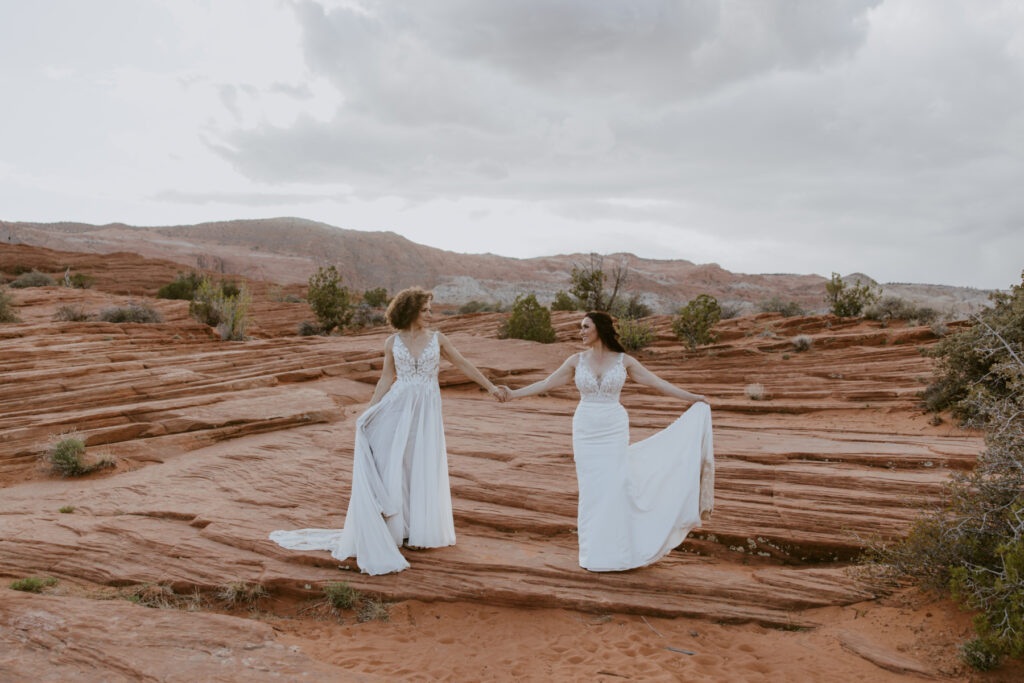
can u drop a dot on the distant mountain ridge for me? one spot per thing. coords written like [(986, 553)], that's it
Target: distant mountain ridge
[(290, 249)]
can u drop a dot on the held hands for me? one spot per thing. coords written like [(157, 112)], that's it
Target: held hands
[(502, 393)]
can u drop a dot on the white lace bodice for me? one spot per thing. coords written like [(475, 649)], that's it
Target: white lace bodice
[(603, 389), (421, 370)]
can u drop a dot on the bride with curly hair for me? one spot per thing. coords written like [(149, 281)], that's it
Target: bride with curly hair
[(400, 486)]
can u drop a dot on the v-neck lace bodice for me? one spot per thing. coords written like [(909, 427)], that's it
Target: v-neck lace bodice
[(420, 369), (604, 389)]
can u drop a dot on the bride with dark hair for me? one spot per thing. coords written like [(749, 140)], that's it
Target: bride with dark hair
[(636, 502)]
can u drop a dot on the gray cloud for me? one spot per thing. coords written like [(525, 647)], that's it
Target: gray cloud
[(850, 122)]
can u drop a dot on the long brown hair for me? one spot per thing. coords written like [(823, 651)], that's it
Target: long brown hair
[(606, 330)]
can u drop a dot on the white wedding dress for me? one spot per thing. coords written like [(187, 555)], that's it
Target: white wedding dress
[(636, 502), (399, 474)]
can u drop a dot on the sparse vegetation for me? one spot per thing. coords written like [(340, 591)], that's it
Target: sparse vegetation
[(694, 321), (589, 284), (371, 609), (755, 392), (529, 320), (79, 281), (848, 301), (340, 595), (308, 329), (563, 302), (631, 308), (66, 510), (132, 313), (802, 342), (775, 304), (33, 584), (635, 335), (162, 596), (730, 311), (367, 316), (896, 308), (972, 544), (479, 307), (331, 302), (71, 313), (65, 457), (183, 288), (7, 307), (376, 298), (33, 278), (241, 593)]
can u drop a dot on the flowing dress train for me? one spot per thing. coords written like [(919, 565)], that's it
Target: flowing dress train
[(399, 474), (636, 502)]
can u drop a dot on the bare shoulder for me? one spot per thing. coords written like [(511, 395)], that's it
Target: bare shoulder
[(441, 338), (574, 359), (390, 341), (629, 362)]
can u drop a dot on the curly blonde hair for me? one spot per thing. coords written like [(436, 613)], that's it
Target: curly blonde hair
[(405, 307)]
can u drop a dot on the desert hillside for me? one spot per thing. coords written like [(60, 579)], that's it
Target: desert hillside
[(287, 250), (215, 444)]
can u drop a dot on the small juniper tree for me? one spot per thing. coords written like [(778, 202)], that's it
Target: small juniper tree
[(529, 320), (694, 321), (563, 302), (330, 300), (589, 281), (376, 298), (634, 334), (848, 301)]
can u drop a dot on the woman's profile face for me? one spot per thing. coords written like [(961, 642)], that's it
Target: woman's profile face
[(423, 319), (588, 331)]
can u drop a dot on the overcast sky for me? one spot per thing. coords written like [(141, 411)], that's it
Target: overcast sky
[(806, 136)]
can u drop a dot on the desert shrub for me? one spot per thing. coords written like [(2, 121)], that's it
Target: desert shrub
[(479, 307), (694, 321), (33, 278), (340, 595), (775, 304), (755, 392), (971, 545), (162, 596), (631, 308), (529, 320), (71, 313), (367, 316), (331, 302), (238, 593), (590, 279), (132, 313), (848, 301), (731, 310), (7, 307), (308, 329), (66, 509), (65, 457), (230, 288), (33, 584), (563, 302), (373, 609), (224, 306), (802, 342), (80, 281), (376, 298), (896, 308), (635, 335), (967, 358), (183, 287), (21, 269)]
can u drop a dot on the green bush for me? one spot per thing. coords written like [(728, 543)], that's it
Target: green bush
[(33, 278), (340, 595), (65, 457), (330, 301), (33, 584), (132, 313), (7, 307), (966, 362), (631, 308), (635, 335), (775, 304), (563, 302), (308, 329), (972, 545), (529, 320), (694, 321), (848, 301), (183, 288), (479, 307), (896, 308), (367, 316), (71, 313), (376, 298), (80, 281)]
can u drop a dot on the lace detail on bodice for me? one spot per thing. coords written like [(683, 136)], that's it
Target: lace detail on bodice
[(603, 389), (421, 370)]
